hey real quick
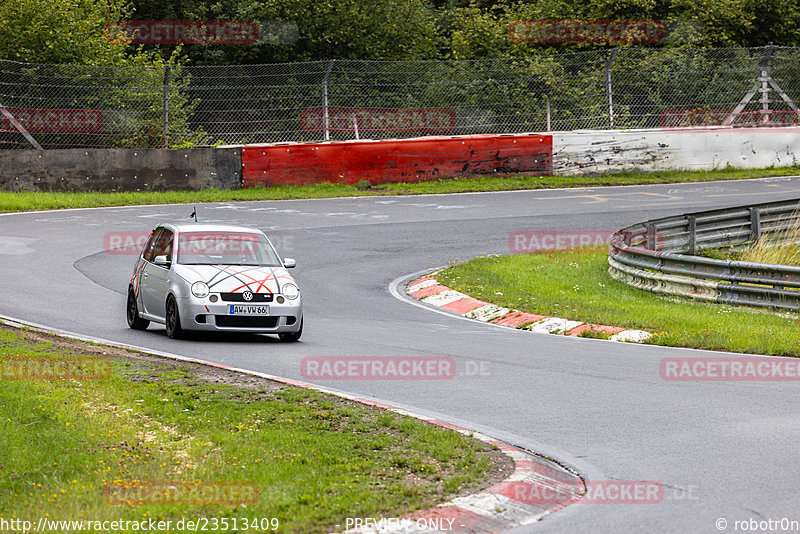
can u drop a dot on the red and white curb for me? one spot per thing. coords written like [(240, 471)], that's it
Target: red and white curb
[(535, 489), (429, 291)]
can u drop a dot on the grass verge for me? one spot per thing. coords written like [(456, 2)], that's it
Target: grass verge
[(779, 248), (763, 251), (26, 200), (314, 459), (575, 284)]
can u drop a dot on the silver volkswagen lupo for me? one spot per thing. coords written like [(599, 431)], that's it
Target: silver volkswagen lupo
[(214, 278)]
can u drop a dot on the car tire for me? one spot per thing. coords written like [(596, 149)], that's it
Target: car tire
[(132, 313), (292, 336), (173, 319)]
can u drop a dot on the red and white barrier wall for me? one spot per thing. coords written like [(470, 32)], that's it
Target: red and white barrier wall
[(559, 153), (399, 160), (396, 160)]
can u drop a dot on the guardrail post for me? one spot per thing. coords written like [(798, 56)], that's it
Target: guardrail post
[(755, 224), (692, 245), (651, 237), (626, 237)]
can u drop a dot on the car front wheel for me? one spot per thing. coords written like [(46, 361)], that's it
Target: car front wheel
[(292, 336), (174, 330), (132, 312)]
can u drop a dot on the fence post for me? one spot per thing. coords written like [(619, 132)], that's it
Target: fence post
[(165, 124), (325, 116), (548, 113), (609, 64), (764, 78)]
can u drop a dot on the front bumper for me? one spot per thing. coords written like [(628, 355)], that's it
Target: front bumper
[(203, 315)]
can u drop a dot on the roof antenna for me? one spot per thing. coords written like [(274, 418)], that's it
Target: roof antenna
[(194, 214)]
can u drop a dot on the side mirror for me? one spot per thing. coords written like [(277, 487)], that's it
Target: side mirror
[(289, 263), (161, 260)]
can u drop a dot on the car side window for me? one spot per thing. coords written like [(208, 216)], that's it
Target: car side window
[(163, 245), (149, 251)]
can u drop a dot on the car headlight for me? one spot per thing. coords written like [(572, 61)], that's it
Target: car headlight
[(290, 291), (200, 289)]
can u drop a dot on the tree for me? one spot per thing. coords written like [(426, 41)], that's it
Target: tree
[(66, 31), (322, 29), (73, 65)]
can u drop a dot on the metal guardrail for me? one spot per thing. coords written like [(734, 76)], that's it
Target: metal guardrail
[(661, 256)]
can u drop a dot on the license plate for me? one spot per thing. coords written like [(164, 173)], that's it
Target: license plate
[(247, 310)]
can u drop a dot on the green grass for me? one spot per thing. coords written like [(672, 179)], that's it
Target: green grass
[(780, 248), (722, 253), (575, 284), (26, 200), (315, 459), (764, 251)]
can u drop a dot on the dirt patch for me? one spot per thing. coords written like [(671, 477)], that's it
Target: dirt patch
[(202, 372)]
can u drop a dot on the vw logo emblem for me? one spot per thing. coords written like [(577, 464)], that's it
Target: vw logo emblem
[(248, 296)]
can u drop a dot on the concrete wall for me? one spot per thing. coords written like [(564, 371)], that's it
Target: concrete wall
[(120, 169), (598, 151), (578, 152)]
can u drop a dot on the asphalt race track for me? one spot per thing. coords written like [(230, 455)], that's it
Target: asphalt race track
[(721, 449)]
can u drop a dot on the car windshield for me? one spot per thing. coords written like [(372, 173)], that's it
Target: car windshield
[(225, 248)]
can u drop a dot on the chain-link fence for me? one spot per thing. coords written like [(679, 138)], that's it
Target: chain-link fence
[(64, 106)]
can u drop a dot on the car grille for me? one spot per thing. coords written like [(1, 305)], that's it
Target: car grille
[(237, 297), (247, 321)]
